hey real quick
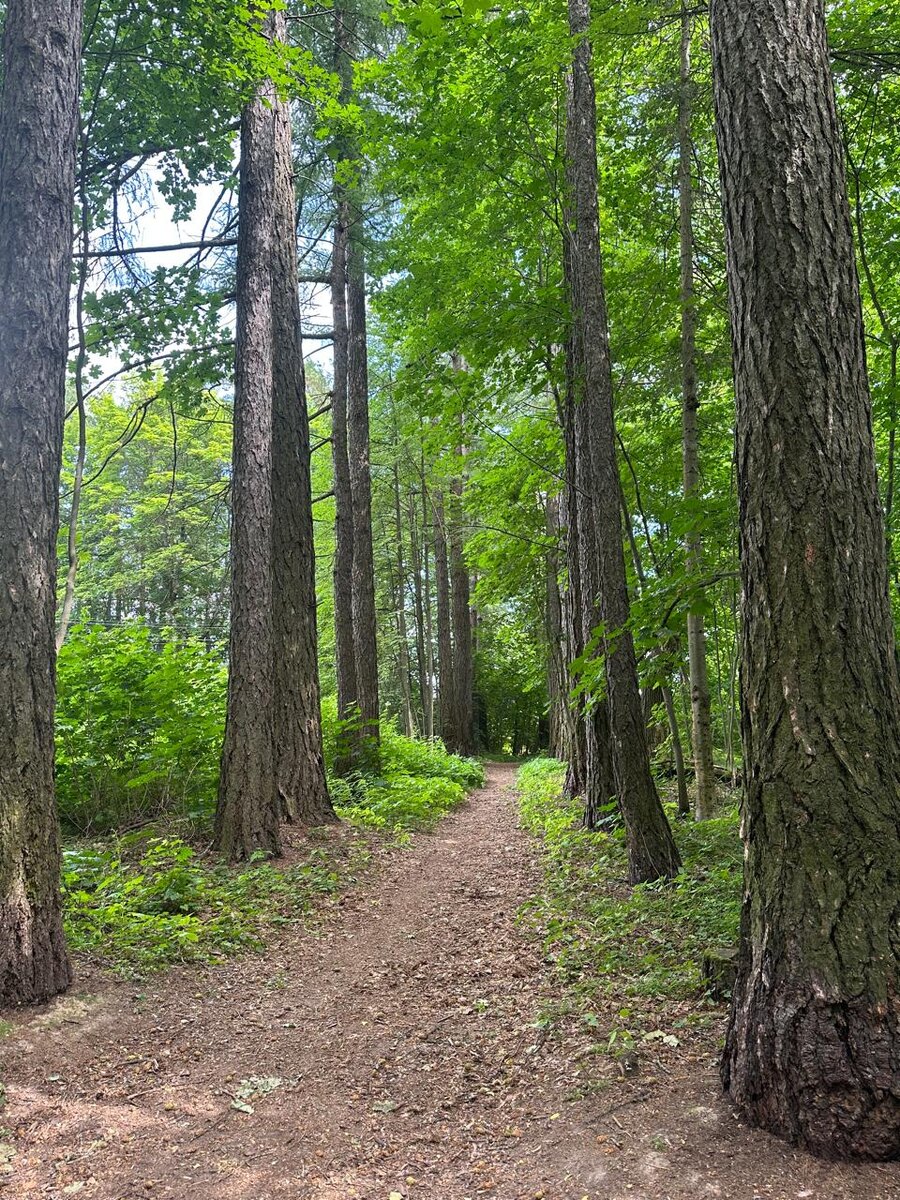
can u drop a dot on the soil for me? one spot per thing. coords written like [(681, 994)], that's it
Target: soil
[(394, 1052)]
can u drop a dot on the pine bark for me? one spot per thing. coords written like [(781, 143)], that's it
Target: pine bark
[(701, 715), (247, 815), (299, 757), (813, 1046), (38, 132), (652, 853)]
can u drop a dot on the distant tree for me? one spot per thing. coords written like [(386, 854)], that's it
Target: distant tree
[(652, 852), (38, 132)]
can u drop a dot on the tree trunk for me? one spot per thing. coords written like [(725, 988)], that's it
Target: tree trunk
[(652, 853), (429, 622), (447, 681), (247, 814), (560, 716), (701, 719), (364, 612), (348, 754), (813, 1047), (38, 129), (576, 767), (299, 758), (463, 668), (402, 636), (424, 670)]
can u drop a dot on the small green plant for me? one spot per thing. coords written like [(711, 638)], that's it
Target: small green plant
[(141, 902), (605, 937)]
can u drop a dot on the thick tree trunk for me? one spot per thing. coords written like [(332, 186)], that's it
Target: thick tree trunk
[(247, 814), (813, 1047), (446, 675), (299, 758), (38, 128), (364, 612), (599, 778), (652, 853), (701, 719)]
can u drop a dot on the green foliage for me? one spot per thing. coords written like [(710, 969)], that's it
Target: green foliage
[(604, 936), (138, 728), (417, 784), (142, 902)]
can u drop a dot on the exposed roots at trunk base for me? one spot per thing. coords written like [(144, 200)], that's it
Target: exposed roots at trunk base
[(824, 1075)]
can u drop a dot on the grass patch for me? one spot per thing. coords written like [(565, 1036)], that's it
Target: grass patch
[(607, 938)]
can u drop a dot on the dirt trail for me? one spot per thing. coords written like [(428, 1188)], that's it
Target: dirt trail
[(403, 1035)]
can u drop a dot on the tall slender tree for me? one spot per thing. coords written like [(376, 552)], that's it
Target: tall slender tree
[(38, 131), (300, 763), (701, 733), (365, 622), (652, 853), (446, 673), (813, 1045), (248, 811)]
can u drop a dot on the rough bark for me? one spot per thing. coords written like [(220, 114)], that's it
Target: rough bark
[(247, 815), (38, 129), (299, 757), (813, 1047), (599, 777), (446, 676), (701, 717), (652, 853)]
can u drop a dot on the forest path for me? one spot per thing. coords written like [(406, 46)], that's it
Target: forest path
[(403, 1033)]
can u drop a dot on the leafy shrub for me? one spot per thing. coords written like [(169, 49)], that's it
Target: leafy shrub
[(142, 902), (604, 935), (138, 728)]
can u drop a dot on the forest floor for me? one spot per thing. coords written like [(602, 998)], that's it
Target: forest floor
[(392, 1052)]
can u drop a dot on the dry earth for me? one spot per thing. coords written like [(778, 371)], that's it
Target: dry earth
[(400, 1046)]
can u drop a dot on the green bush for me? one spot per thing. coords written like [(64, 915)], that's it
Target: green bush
[(138, 728), (605, 936), (143, 902)]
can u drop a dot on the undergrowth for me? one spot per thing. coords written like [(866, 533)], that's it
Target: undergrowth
[(606, 937), (138, 736), (143, 901)]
